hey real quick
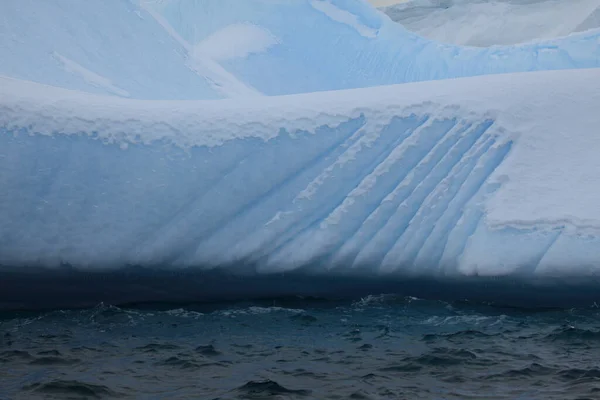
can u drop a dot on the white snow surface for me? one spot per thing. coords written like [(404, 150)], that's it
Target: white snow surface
[(235, 41), (89, 76), (210, 49), (485, 175), (343, 16), (115, 39), (495, 22)]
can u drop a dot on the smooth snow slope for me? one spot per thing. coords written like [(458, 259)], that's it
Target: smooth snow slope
[(340, 44), (106, 47), (489, 175), (495, 22), (206, 49)]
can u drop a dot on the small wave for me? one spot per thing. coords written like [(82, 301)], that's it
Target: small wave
[(185, 363), (268, 388), (402, 368), (374, 378), (304, 318), (360, 395), (242, 346), (11, 356), (54, 353), (303, 373), (376, 299), (156, 347), (107, 315), (579, 375), (208, 350), (73, 388), (54, 361), (63, 336), (571, 333), (468, 334), (255, 310), (437, 358), (178, 362), (461, 319), (85, 349), (527, 372), (180, 312), (443, 356)]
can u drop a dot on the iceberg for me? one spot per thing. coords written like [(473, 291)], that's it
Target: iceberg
[(483, 176), (115, 190)]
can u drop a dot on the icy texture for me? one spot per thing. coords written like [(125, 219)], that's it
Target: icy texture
[(341, 44), (487, 175), (490, 175), (114, 40), (192, 49), (495, 22)]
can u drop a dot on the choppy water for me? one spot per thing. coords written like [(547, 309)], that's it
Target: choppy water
[(381, 347)]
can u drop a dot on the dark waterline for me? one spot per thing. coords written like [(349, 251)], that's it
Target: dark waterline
[(44, 289)]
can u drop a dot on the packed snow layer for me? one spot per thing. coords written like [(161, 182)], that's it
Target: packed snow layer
[(488, 175), (208, 49), (495, 22)]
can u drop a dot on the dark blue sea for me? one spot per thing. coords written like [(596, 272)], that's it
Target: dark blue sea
[(376, 347)]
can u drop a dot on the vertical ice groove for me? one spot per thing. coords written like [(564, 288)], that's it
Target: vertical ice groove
[(169, 225), (395, 213), (404, 251), (530, 268), (362, 202), (459, 236), (362, 138), (431, 252), (398, 153), (51, 190), (254, 246), (465, 227), (352, 174), (365, 138), (205, 214), (380, 212)]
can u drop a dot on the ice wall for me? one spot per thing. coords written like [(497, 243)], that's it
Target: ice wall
[(490, 175)]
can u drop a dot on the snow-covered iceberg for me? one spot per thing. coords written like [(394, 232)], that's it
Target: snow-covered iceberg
[(205, 49), (490, 175), (485, 176)]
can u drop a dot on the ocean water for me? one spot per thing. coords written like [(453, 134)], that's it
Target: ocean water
[(377, 347)]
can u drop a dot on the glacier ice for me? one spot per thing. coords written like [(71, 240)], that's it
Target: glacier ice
[(348, 44), (152, 136), (166, 49), (495, 22)]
